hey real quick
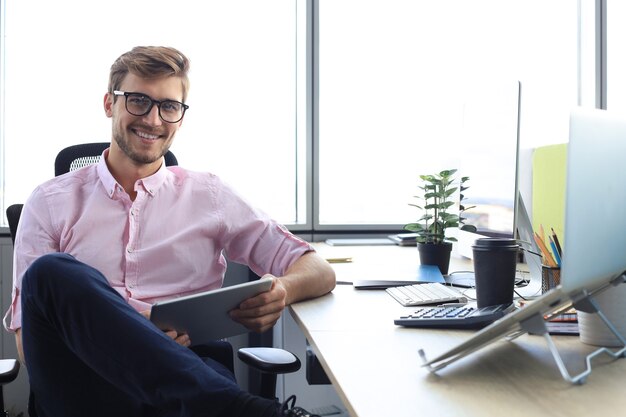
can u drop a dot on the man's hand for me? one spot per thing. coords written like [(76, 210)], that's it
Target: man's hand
[(182, 339), (261, 312)]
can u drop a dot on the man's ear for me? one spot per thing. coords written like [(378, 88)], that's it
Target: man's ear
[(108, 104)]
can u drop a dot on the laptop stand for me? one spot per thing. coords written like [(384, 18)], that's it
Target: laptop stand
[(537, 325)]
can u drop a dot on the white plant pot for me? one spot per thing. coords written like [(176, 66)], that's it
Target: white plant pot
[(593, 331)]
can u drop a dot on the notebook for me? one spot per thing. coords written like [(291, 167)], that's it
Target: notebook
[(425, 273), (595, 227)]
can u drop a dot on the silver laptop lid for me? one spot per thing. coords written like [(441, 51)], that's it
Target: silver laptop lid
[(594, 247)]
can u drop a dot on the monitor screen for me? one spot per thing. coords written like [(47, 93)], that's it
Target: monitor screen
[(489, 150)]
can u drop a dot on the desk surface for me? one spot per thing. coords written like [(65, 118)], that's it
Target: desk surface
[(376, 370)]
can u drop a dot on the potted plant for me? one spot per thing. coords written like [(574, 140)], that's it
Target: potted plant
[(438, 201)]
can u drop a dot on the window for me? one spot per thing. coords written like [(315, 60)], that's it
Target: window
[(241, 123), (323, 113), (391, 77)]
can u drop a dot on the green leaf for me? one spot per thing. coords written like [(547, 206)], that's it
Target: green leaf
[(469, 228), (446, 204), (449, 217), (450, 191), (414, 227)]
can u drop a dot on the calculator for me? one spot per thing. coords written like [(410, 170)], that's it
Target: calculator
[(454, 316)]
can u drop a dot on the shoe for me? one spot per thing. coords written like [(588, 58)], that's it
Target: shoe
[(287, 409)]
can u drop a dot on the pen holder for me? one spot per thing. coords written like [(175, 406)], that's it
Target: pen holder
[(550, 277)]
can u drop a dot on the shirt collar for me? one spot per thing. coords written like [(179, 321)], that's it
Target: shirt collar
[(150, 184)]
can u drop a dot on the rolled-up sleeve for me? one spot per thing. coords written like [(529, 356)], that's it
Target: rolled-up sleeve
[(252, 238), (34, 238)]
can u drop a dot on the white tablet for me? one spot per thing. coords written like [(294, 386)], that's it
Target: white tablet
[(204, 316)]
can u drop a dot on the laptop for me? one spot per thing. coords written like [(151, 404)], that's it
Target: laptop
[(594, 249)]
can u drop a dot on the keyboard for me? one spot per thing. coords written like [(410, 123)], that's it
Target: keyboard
[(424, 294), (466, 316)]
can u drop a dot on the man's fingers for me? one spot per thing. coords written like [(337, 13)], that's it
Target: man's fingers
[(182, 339)]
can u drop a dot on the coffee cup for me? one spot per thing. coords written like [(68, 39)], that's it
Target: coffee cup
[(495, 262)]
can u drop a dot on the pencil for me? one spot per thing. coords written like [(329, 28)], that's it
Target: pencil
[(557, 255), (556, 242), (544, 250), (338, 260), (542, 233)]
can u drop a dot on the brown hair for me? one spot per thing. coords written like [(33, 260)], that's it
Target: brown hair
[(150, 62)]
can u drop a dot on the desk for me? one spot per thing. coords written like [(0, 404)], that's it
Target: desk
[(375, 368)]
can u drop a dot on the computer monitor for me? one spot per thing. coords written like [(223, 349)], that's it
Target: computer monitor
[(489, 152)]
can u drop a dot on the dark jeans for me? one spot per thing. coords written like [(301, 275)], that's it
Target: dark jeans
[(88, 353)]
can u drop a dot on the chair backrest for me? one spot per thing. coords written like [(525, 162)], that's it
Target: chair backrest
[(78, 156), (13, 216)]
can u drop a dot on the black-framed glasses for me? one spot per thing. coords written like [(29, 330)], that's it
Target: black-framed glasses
[(139, 104)]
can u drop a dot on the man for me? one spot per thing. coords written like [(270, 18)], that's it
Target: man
[(98, 246)]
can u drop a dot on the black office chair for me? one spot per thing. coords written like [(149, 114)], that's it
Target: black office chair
[(9, 368), (268, 361)]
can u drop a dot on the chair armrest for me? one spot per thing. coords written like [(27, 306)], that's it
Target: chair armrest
[(9, 368), (270, 360)]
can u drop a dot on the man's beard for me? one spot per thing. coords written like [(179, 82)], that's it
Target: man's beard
[(139, 158)]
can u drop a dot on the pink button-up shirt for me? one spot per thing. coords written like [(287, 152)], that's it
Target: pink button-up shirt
[(170, 241)]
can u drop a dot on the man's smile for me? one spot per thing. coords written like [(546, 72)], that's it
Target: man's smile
[(144, 135)]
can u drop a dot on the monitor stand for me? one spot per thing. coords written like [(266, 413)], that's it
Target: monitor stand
[(525, 238)]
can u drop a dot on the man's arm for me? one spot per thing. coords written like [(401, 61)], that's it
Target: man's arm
[(308, 277), (18, 344)]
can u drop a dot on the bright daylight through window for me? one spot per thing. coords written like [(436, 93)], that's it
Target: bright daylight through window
[(241, 123), (331, 136), (393, 79)]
